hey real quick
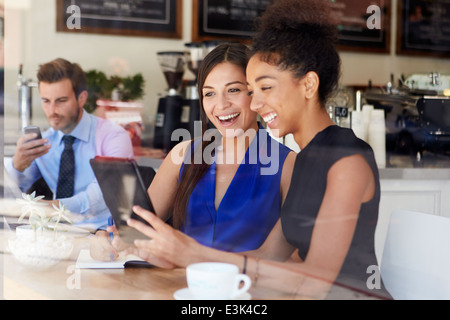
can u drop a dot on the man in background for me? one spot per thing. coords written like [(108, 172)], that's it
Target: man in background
[(69, 176)]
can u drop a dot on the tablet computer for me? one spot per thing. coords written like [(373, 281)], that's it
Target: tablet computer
[(123, 184)]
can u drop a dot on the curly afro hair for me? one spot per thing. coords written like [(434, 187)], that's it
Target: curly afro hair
[(300, 36)]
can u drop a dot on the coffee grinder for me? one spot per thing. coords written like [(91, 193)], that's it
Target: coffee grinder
[(195, 55), (194, 58), (168, 117)]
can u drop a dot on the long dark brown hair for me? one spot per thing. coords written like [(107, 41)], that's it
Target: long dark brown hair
[(193, 171)]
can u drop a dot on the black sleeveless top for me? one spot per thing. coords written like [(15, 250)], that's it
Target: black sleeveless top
[(300, 209)]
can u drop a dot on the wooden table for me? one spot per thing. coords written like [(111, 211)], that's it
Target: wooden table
[(65, 282)]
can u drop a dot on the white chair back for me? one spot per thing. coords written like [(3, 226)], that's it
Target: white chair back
[(416, 256)]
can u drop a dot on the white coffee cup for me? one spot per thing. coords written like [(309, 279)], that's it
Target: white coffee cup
[(216, 281)]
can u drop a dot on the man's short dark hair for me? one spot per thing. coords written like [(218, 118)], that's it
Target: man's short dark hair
[(59, 69)]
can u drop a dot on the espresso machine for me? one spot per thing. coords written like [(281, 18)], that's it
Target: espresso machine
[(25, 87), (170, 107), (417, 115)]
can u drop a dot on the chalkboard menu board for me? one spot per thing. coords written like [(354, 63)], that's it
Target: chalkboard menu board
[(363, 25), (151, 18), (424, 27), (229, 19), (234, 20)]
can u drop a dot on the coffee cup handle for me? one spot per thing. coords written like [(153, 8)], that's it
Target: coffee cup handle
[(247, 283)]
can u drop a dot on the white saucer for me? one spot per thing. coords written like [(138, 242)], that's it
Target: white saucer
[(186, 294)]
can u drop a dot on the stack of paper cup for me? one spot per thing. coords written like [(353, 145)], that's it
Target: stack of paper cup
[(377, 136), (367, 115), (358, 124)]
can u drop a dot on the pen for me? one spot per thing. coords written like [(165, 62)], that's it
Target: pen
[(111, 235)]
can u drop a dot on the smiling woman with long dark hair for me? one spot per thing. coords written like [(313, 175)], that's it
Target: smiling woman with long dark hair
[(218, 189)]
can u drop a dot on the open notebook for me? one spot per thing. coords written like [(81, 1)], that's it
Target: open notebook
[(85, 261)]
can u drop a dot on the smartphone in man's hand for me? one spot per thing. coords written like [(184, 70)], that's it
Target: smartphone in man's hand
[(33, 129)]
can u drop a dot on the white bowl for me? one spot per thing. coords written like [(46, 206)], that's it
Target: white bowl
[(40, 250)]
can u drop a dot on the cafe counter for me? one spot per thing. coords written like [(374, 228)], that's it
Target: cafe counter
[(422, 186)]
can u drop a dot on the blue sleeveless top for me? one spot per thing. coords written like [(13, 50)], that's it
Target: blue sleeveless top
[(251, 205)]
